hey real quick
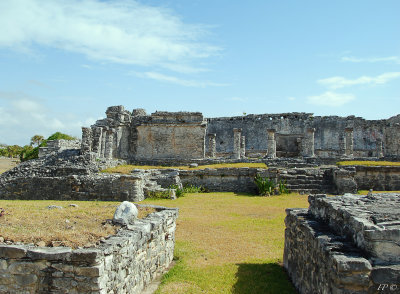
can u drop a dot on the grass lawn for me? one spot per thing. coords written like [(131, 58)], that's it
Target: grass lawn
[(126, 169), (229, 243), (368, 163)]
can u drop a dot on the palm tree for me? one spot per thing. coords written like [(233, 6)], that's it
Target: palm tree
[(37, 139)]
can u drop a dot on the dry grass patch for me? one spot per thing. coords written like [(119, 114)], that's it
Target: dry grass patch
[(230, 243), (84, 225), (7, 163), (126, 169), (368, 163)]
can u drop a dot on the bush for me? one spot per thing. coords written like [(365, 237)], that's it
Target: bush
[(179, 192), (188, 188), (268, 187), (265, 186), (158, 194), (282, 187)]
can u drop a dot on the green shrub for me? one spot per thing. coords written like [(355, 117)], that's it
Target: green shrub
[(158, 194), (265, 186), (179, 192), (189, 188), (282, 187)]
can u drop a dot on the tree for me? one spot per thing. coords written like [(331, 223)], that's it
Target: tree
[(14, 150), (37, 139)]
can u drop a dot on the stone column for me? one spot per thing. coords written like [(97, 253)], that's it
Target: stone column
[(103, 141), (108, 153), (237, 134), (212, 151), (349, 141), (96, 141), (271, 144), (308, 149), (243, 147), (342, 146), (379, 148), (86, 140)]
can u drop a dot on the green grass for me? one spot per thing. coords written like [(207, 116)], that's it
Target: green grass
[(229, 243), (368, 163), (126, 169), (365, 192)]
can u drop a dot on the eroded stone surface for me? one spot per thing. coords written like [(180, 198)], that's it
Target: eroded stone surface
[(344, 244)]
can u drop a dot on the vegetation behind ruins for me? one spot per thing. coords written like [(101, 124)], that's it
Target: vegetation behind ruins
[(127, 169), (34, 152), (28, 151)]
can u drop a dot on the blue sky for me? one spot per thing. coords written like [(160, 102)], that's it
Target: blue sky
[(62, 63)]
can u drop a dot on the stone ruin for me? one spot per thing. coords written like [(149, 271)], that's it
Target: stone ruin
[(340, 245), (344, 244), (137, 136)]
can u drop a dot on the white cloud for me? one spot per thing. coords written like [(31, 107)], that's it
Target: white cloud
[(291, 98), (175, 80), (115, 31), (330, 99), (340, 82), (30, 116), (395, 59)]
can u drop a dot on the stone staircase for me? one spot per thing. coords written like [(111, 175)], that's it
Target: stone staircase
[(308, 180)]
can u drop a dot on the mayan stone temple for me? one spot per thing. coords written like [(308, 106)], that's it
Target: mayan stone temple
[(188, 135)]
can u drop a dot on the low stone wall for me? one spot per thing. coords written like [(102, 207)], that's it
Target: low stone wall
[(105, 187), (124, 263), (344, 244), (224, 179), (303, 180), (379, 178)]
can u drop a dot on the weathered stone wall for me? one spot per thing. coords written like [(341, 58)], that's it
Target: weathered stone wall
[(254, 128), (124, 263), (303, 180), (105, 187), (379, 178), (289, 127), (180, 135), (170, 141), (344, 244)]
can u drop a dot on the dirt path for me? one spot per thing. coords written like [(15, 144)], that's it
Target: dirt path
[(7, 163)]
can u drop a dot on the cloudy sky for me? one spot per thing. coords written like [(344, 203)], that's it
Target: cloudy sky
[(63, 62)]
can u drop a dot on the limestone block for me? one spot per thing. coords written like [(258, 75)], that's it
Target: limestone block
[(125, 214)]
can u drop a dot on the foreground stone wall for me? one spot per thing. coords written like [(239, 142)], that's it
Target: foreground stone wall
[(124, 263), (344, 244)]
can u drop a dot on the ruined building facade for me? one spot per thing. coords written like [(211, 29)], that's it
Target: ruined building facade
[(188, 135)]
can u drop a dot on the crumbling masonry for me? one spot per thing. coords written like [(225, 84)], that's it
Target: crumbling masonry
[(183, 135)]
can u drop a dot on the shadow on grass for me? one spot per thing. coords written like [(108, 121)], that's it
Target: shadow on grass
[(254, 194), (262, 278)]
